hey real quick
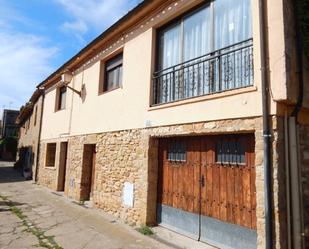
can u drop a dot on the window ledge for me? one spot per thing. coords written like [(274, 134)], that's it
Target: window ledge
[(108, 91), (50, 167), (59, 110), (204, 98)]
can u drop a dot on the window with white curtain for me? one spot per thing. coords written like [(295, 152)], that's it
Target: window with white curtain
[(215, 26), (196, 34), (232, 22)]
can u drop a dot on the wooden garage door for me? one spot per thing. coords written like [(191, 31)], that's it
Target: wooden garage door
[(213, 176)]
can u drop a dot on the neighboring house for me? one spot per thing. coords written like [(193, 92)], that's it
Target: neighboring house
[(9, 127), (160, 120), (9, 134), (29, 121)]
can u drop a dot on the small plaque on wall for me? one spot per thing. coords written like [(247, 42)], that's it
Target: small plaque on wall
[(128, 194)]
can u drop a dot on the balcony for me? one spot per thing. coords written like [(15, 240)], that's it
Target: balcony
[(222, 70)]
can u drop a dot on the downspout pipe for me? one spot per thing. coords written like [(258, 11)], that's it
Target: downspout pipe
[(39, 138), (266, 126), (299, 59)]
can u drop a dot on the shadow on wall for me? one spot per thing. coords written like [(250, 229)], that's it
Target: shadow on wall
[(8, 148), (8, 174), (25, 162)]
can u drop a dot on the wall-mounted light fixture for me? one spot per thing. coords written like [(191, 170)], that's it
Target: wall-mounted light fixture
[(66, 78)]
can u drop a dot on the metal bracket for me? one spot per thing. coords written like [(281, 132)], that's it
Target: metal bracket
[(74, 90)]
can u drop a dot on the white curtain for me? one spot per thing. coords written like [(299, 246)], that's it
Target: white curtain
[(233, 22), (169, 56), (170, 47), (197, 34), (196, 43)]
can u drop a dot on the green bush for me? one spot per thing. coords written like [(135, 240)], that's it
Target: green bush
[(145, 230), (10, 144)]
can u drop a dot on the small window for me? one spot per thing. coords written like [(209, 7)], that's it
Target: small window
[(113, 73), (62, 91), (177, 152), (230, 151), (50, 155)]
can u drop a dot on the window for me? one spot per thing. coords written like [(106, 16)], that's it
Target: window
[(61, 98), (177, 152), (113, 73), (208, 50), (50, 155), (230, 151)]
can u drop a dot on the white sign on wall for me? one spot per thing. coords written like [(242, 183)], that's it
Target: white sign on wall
[(128, 194)]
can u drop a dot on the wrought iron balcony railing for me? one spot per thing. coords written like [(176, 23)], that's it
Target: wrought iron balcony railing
[(221, 70)]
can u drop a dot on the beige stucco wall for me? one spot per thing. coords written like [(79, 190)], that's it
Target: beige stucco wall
[(55, 123), (282, 54), (277, 58), (128, 106)]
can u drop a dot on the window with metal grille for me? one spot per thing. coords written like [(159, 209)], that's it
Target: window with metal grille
[(177, 152), (230, 151)]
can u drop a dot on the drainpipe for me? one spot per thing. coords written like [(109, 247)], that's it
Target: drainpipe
[(299, 55), (288, 180), (295, 187), (266, 126), (39, 136)]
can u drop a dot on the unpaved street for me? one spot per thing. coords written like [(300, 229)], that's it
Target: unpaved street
[(33, 217)]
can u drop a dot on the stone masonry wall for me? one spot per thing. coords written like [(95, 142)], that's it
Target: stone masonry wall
[(47, 176), (131, 156), (28, 137)]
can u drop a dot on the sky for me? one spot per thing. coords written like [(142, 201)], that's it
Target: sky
[(38, 36)]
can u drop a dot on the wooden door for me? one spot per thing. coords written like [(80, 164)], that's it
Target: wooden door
[(62, 166), (178, 173), (208, 180), (206, 189), (229, 192), (93, 170), (87, 171)]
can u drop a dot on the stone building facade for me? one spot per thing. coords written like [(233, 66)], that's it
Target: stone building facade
[(132, 156), (102, 143), (29, 123)]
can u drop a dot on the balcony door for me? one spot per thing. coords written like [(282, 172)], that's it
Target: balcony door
[(188, 49)]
